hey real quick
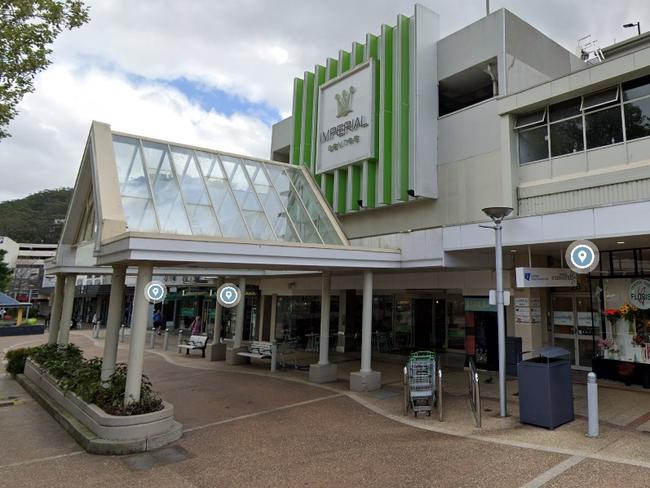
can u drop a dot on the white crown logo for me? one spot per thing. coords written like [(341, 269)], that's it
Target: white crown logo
[(344, 102)]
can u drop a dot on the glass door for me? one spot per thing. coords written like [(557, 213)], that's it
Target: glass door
[(572, 327)]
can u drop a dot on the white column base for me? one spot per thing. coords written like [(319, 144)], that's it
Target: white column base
[(322, 373), (365, 381), (215, 352), (233, 358)]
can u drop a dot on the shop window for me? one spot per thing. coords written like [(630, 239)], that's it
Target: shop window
[(643, 263), (564, 110), (623, 263), (636, 88), (566, 137), (533, 144), (563, 317), (604, 127), (637, 118), (529, 119), (599, 99)]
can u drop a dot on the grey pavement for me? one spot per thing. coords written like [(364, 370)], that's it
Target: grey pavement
[(246, 427)]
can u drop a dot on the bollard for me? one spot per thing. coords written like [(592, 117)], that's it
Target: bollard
[(440, 412), (180, 339), (122, 333), (152, 340), (592, 405), (96, 331), (166, 340), (405, 407), (274, 356)]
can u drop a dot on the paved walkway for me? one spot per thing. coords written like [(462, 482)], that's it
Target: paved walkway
[(246, 427)]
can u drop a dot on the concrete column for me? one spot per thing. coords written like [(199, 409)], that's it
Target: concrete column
[(215, 351), (274, 306), (57, 305), (113, 321), (324, 372), (239, 322), (140, 319), (366, 379), (231, 354), (66, 309)]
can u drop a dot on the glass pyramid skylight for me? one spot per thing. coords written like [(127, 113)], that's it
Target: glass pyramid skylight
[(180, 190)]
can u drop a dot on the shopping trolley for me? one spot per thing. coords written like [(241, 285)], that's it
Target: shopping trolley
[(420, 393)]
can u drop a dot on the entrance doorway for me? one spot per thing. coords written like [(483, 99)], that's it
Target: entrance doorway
[(423, 321), (572, 327)]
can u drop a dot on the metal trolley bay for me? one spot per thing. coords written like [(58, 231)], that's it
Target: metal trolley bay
[(421, 383)]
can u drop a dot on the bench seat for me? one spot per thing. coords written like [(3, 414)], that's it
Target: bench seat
[(194, 342)]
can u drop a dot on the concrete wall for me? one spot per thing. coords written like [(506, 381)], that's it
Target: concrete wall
[(11, 247), (281, 135)]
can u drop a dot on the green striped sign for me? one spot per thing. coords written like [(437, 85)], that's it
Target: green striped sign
[(384, 178)]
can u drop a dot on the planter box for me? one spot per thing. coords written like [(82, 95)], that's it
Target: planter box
[(12, 330), (115, 434)]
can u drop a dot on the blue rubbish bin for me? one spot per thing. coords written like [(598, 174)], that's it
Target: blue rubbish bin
[(545, 388)]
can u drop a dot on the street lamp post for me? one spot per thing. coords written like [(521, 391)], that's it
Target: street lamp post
[(497, 214), (635, 24)]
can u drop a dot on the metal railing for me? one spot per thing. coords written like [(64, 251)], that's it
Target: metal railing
[(474, 393)]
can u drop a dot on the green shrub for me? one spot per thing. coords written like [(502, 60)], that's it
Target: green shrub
[(66, 364), (16, 360)]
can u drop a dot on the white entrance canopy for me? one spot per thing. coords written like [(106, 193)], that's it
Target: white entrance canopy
[(141, 200)]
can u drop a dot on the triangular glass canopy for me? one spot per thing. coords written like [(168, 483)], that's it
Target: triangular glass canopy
[(173, 189)]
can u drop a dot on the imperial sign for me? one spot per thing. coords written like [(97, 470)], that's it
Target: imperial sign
[(345, 119)]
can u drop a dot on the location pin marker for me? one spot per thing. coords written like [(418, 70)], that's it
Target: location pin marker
[(582, 255)]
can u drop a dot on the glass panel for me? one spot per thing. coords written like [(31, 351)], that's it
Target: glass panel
[(245, 195), (637, 119), (569, 345), (202, 220), (125, 150), (566, 137), (644, 261), (291, 202), (403, 323), (456, 322), (133, 181), (139, 214), (636, 88), (583, 316), (167, 195), (563, 319), (224, 204), (533, 145), (189, 176), (604, 127), (600, 98), (585, 352), (623, 263), (314, 209), (383, 338), (564, 110), (275, 211), (532, 118)]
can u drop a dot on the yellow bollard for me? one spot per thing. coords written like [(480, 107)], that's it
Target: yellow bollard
[(19, 317)]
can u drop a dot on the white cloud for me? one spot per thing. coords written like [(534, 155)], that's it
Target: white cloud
[(247, 48), (49, 135)]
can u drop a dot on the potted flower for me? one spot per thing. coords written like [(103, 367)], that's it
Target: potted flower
[(629, 313), (607, 347)]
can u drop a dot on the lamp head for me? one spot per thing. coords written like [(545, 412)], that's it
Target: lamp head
[(629, 25), (497, 214)]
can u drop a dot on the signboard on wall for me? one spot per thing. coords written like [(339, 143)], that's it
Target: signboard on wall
[(640, 294), (345, 132), (545, 277)]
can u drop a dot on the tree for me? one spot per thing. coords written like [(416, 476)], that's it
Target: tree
[(5, 272), (27, 29)]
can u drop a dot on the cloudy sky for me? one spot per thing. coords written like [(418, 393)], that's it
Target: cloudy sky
[(218, 73)]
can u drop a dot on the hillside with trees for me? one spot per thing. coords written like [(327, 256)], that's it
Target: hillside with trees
[(36, 218)]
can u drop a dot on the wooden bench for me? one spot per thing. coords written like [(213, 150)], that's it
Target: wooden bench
[(194, 342)]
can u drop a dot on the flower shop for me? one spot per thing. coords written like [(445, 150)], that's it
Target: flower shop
[(620, 292)]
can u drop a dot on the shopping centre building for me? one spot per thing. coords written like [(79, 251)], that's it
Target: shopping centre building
[(362, 232)]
